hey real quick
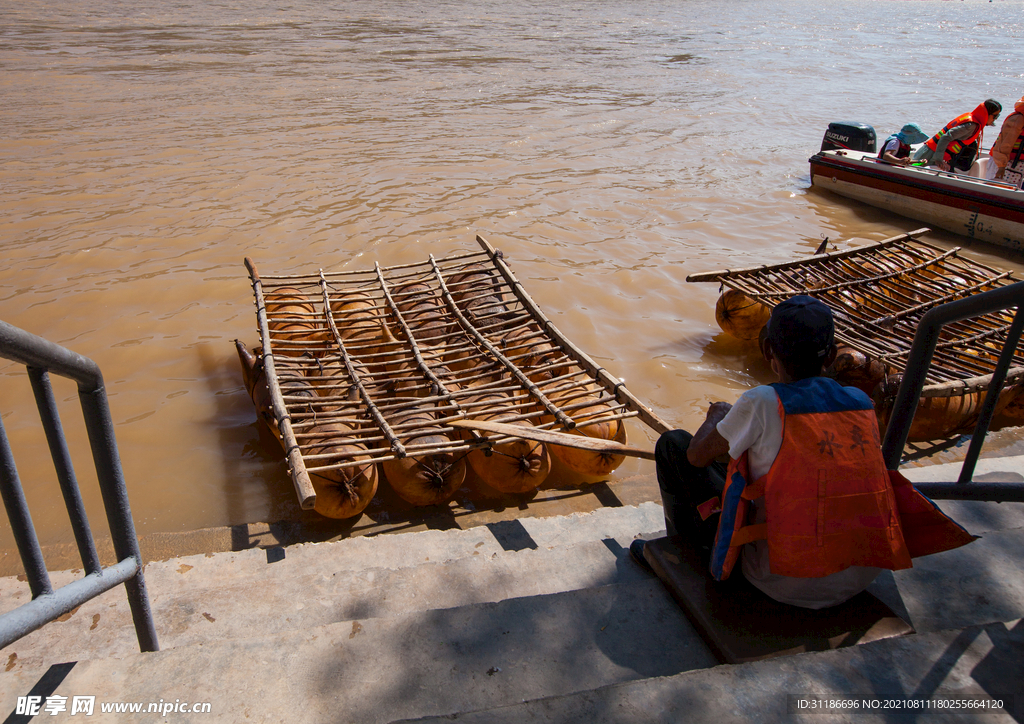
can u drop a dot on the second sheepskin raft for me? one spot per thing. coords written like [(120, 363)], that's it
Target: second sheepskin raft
[(878, 294)]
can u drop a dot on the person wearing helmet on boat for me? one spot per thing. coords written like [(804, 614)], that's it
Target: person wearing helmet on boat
[(896, 148), (955, 147), (806, 504), (1008, 150)]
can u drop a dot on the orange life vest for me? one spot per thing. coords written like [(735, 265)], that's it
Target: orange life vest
[(979, 116), (829, 501), (902, 151), (1018, 146)]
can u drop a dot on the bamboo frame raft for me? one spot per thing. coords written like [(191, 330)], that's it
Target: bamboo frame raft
[(395, 354), (878, 294)]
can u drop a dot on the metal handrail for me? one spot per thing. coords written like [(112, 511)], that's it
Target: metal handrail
[(925, 340), (41, 358)]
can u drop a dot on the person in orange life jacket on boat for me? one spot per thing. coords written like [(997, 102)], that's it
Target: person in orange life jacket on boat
[(896, 148), (806, 503), (955, 147), (1008, 150)]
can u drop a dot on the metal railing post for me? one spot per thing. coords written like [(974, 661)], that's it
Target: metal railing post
[(905, 406), (40, 358), (21, 521), (115, 501), (65, 471), (988, 408)]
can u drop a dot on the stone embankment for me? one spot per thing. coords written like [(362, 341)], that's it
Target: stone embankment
[(541, 619)]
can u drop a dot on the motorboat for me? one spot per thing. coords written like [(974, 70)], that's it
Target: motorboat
[(972, 204)]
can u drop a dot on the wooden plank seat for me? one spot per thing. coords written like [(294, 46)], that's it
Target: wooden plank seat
[(741, 624)]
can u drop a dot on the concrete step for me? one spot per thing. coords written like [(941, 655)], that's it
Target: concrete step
[(915, 679), (201, 598), (1004, 469), (980, 583), (442, 623), (413, 664), (977, 584)]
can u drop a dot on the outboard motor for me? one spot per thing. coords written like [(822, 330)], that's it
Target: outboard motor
[(851, 136)]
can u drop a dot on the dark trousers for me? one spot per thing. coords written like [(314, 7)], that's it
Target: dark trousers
[(684, 487)]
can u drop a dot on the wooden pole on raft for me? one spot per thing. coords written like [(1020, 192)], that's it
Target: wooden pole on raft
[(300, 477), (554, 437), (713, 276)]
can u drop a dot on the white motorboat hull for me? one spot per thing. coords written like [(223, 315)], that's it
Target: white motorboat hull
[(974, 207)]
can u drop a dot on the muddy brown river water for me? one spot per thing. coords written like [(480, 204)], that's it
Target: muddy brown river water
[(607, 149)]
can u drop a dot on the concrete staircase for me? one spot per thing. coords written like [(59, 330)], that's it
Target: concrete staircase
[(537, 619)]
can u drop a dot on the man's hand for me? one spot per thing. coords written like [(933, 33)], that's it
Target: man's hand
[(717, 411), (707, 443)]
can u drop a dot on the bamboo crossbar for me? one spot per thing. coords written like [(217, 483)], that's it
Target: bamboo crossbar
[(495, 353), (973, 384), (962, 292), (356, 378), (389, 372), (410, 338)]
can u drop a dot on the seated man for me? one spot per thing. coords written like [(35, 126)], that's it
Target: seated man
[(808, 499)]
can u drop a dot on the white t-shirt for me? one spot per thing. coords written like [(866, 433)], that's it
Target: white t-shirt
[(753, 425)]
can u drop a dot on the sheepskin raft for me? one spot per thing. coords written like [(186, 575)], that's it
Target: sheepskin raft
[(359, 374), (878, 294)]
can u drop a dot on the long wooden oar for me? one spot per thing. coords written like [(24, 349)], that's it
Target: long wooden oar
[(555, 438)]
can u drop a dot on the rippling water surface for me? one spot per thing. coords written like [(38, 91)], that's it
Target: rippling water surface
[(609, 150)]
